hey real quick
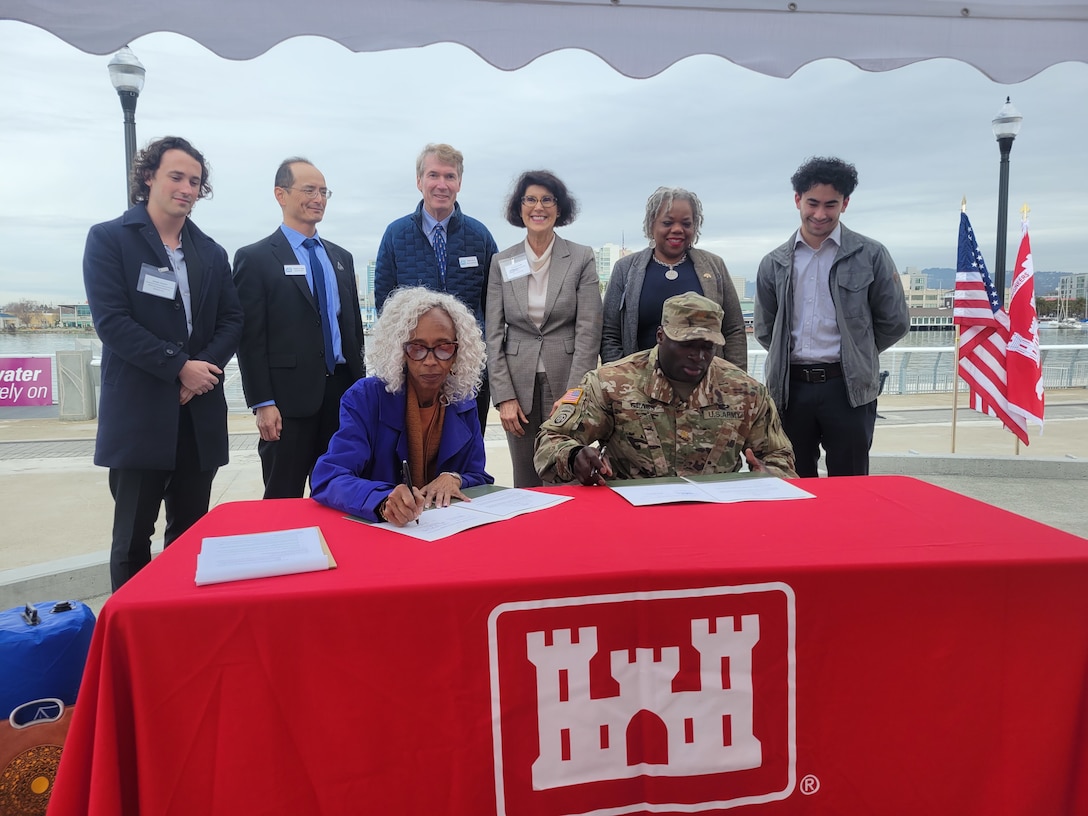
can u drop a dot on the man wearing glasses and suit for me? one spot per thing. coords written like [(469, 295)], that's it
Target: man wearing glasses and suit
[(302, 344)]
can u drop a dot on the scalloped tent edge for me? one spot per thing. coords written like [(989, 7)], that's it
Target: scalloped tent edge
[(638, 38)]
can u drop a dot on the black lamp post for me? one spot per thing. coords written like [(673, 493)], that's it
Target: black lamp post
[(127, 76), (1006, 125)]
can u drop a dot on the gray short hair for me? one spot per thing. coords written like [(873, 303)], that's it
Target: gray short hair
[(399, 318), (445, 154), (664, 197)]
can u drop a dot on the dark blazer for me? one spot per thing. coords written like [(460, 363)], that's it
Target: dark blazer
[(145, 344), (282, 352)]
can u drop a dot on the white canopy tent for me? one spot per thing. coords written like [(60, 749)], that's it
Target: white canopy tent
[(1008, 40)]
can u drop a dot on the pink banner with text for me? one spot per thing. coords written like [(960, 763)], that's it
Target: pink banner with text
[(26, 381)]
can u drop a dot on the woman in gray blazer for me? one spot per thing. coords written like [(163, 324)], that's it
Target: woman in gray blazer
[(543, 315), (642, 282)]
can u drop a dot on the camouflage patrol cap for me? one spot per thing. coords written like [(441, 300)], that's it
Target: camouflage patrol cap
[(692, 317)]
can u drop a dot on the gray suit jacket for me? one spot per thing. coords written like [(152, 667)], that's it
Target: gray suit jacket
[(569, 337), (620, 333)]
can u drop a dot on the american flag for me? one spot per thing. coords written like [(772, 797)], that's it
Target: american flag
[(984, 334)]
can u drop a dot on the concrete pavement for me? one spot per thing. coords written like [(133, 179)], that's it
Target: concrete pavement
[(57, 507)]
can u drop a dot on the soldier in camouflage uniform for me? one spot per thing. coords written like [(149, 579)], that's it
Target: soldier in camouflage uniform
[(675, 410)]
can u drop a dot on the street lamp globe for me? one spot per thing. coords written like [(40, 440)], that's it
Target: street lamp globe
[(126, 72), (1007, 122), (127, 75)]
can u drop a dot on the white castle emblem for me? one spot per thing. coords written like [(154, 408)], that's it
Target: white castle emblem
[(708, 731)]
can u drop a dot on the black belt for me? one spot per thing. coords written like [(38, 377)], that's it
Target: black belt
[(816, 373)]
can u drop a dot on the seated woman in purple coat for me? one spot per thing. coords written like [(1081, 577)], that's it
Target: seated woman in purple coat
[(428, 355)]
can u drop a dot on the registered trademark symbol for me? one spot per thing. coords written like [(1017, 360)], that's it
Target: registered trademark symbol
[(809, 784)]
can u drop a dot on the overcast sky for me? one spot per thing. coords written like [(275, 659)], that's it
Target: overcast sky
[(920, 137)]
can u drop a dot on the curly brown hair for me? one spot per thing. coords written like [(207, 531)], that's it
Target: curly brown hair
[(147, 162)]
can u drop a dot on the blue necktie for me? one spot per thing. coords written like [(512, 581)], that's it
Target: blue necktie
[(440, 252), (318, 271)]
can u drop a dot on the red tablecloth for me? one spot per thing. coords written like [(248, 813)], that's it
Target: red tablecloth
[(886, 648)]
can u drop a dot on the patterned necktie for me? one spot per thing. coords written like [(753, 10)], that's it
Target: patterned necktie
[(440, 252), (318, 273)]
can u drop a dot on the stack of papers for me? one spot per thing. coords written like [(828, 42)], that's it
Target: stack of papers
[(719, 489), (260, 555), (498, 505)]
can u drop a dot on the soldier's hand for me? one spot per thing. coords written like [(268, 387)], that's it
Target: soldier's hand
[(590, 468), (754, 464)]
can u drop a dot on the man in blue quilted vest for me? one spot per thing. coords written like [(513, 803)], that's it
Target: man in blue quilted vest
[(438, 246)]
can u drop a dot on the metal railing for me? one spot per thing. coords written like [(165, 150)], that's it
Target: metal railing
[(932, 369), (911, 370)]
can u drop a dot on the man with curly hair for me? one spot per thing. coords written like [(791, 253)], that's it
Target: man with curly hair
[(828, 301), (167, 313)]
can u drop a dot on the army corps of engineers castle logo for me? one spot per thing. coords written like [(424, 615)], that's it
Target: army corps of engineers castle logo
[(678, 701)]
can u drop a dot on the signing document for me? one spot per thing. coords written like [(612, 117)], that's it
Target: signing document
[(717, 489), (261, 555), (497, 505)]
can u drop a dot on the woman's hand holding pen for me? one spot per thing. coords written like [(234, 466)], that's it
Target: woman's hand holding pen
[(591, 466), (403, 505)]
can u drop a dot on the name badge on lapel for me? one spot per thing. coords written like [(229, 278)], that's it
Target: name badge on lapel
[(469, 262), (294, 269), (157, 281), (514, 268)]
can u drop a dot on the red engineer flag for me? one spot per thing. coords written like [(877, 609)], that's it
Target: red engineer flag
[(984, 334), (1025, 374)]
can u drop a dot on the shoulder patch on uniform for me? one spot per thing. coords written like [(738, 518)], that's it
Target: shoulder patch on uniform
[(563, 414), (572, 397)]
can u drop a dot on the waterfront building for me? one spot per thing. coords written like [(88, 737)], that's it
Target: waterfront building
[(75, 316), (606, 257)]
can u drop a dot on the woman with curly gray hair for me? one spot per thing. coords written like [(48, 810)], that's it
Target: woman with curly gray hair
[(427, 356), (643, 281)]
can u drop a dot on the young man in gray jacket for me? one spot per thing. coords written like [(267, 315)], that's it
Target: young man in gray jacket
[(828, 301)]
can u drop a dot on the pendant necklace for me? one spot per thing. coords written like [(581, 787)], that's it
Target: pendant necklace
[(672, 274)]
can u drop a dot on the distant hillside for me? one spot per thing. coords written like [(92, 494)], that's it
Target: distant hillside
[(1046, 283)]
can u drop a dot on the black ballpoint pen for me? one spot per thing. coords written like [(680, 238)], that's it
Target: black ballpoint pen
[(406, 475)]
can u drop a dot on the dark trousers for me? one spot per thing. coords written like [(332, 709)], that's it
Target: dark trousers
[(138, 495), (820, 414), (286, 464), (483, 402)]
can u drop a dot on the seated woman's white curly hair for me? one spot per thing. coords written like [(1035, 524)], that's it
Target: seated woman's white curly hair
[(399, 318)]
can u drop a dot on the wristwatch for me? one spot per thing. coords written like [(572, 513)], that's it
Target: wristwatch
[(454, 474)]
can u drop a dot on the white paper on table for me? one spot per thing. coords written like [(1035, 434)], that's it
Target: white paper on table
[(644, 495), (500, 505), (261, 555), (513, 502), (763, 488)]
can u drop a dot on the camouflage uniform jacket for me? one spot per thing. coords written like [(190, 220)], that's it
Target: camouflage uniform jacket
[(630, 406)]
